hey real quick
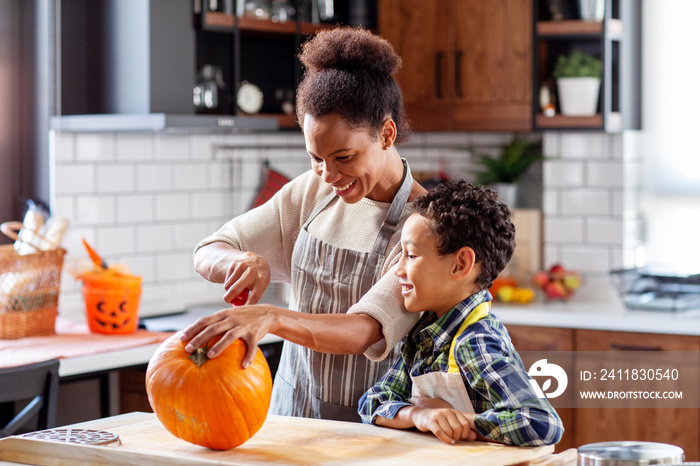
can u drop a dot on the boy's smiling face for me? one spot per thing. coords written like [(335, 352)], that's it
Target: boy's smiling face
[(425, 276)]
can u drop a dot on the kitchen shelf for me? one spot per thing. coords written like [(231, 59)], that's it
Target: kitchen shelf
[(226, 21), (578, 28), (615, 41)]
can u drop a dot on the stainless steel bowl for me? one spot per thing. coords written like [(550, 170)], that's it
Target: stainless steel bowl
[(629, 453)]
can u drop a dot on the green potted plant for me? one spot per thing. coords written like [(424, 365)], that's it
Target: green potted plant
[(503, 170), (578, 82)]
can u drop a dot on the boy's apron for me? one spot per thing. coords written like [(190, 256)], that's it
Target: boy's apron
[(328, 280), (449, 386)]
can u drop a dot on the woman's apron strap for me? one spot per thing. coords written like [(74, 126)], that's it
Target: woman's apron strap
[(395, 210)]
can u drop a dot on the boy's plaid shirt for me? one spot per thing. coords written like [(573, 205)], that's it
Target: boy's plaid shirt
[(507, 409)]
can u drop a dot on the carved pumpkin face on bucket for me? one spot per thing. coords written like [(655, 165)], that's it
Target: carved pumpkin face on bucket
[(112, 306)]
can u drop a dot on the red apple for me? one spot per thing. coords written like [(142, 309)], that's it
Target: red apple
[(541, 279), (554, 290), (556, 272), (241, 299)]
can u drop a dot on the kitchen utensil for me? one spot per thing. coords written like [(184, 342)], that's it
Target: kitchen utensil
[(629, 453), (96, 259)]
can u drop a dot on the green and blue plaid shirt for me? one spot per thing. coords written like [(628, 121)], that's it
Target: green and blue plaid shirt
[(507, 409)]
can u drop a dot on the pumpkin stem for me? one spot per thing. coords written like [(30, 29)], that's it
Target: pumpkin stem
[(199, 356)]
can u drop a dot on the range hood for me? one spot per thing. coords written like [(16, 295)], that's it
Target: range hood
[(164, 122)]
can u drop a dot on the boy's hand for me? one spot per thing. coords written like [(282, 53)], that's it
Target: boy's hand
[(428, 402), (449, 425)]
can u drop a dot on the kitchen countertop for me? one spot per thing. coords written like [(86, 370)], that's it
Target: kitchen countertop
[(281, 440), (598, 306)]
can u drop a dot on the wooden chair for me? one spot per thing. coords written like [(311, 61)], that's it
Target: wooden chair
[(35, 382)]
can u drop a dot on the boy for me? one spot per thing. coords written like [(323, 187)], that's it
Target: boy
[(458, 375)]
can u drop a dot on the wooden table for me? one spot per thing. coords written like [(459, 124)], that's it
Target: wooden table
[(281, 440)]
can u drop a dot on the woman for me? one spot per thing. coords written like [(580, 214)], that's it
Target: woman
[(331, 233)]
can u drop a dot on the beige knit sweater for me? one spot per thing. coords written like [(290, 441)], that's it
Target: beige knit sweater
[(271, 230)]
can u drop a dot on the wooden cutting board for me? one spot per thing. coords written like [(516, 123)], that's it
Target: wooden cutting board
[(281, 440)]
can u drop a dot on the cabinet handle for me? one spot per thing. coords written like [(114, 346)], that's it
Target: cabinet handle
[(438, 75), (458, 73), (619, 347)]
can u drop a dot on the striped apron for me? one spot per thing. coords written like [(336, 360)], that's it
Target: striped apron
[(328, 280)]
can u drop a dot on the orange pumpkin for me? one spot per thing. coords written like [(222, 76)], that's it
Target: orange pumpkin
[(214, 403)]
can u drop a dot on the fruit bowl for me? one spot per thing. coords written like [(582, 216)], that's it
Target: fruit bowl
[(557, 283)]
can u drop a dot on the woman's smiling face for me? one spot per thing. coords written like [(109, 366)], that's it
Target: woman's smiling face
[(352, 161)]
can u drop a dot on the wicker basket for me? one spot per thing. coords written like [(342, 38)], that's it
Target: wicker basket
[(29, 288)]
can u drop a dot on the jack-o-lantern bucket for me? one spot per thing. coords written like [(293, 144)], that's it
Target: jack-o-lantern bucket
[(111, 302)]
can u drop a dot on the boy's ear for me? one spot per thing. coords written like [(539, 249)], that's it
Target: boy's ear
[(465, 259)]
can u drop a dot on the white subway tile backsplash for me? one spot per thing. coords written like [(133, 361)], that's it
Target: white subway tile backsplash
[(171, 147), (153, 238), (129, 146), (459, 139), (551, 144), (154, 177), (142, 265), (135, 208), (581, 145), (64, 206), (94, 146), (562, 173), (188, 235), (604, 231), (115, 178), (173, 207), (586, 259), (563, 230), (201, 146), (485, 139), (251, 174), (605, 174), (220, 174), (550, 255), (63, 146), (585, 202), (191, 176), (175, 266), (550, 202), (74, 179), (96, 210), (208, 205), (115, 240)]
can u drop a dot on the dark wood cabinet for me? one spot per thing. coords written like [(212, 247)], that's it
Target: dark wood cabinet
[(584, 425), (616, 41), (466, 63), (676, 426)]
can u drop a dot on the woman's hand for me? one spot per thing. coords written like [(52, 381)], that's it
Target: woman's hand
[(449, 425), (249, 323), (222, 263), (247, 271)]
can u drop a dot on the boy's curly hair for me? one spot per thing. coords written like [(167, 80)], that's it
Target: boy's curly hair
[(463, 215), (348, 72)]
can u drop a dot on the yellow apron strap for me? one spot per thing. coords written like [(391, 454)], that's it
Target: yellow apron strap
[(477, 314)]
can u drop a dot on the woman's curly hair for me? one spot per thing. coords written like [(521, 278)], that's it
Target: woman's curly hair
[(348, 72), (463, 215)]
